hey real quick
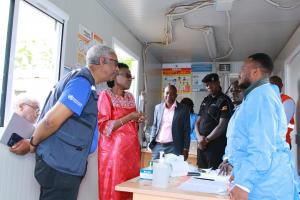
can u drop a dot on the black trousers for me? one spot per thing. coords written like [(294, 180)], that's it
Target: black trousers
[(55, 185), (212, 156)]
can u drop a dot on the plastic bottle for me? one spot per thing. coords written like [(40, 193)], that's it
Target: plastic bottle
[(161, 172)]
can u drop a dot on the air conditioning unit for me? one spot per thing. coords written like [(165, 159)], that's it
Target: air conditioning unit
[(224, 67)]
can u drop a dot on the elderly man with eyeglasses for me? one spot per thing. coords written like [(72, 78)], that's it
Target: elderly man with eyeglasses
[(28, 108)]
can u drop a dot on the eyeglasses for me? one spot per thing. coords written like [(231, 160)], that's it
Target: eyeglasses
[(115, 62), (35, 108), (127, 75)]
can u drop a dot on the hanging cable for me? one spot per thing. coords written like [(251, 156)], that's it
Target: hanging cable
[(277, 5), (175, 12)]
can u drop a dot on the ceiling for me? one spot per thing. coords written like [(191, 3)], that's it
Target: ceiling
[(256, 26)]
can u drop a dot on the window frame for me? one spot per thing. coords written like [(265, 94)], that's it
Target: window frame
[(49, 9), (9, 53)]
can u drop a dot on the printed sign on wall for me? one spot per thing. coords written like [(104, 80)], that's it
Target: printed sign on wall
[(180, 77), (198, 72), (86, 39)]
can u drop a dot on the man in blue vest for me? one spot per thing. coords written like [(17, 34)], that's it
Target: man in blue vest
[(67, 130)]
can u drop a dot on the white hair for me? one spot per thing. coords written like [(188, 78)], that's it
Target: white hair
[(95, 52), (24, 98)]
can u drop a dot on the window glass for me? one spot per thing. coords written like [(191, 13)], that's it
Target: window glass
[(4, 19), (37, 53)]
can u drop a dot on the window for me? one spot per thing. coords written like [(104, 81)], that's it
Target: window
[(35, 64), (36, 51), (6, 13)]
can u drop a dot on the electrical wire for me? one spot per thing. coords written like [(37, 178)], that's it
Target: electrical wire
[(173, 12), (203, 28), (145, 89), (144, 56), (176, 12), (197, 7), (277, 5)]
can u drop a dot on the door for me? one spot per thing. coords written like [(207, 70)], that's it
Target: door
[(292, 84)]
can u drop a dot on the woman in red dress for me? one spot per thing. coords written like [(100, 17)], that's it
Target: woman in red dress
[(118, 149)]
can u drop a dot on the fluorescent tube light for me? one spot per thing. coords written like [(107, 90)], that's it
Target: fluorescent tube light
[(210, 43)]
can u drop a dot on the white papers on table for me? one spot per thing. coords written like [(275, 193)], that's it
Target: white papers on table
[(179, 166), (206, 186), (213, 174), (215, 184)]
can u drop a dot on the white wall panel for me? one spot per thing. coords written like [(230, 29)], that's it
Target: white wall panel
[(16, 175), (287, 66), (18, 182)]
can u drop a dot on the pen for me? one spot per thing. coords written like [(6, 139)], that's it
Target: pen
[(207, 179)]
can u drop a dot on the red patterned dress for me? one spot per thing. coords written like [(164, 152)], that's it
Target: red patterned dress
[(118, 150)]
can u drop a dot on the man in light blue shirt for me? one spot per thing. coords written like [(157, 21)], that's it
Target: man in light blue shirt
[(263, 167)]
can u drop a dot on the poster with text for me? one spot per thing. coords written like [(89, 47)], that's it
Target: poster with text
[(199, 71), (86, 39), (180, 77)]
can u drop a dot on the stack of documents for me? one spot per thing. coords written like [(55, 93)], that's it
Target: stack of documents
[(178, 165), (208, 182), (213, 174), (206, 186)]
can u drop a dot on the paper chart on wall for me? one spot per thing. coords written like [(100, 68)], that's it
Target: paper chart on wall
[(180, 77)]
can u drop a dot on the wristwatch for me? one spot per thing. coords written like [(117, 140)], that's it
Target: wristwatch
[(31, 143), (206, 140)]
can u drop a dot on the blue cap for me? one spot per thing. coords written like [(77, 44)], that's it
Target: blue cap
[(210, 77)]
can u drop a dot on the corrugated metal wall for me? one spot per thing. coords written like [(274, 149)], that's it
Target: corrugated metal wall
[(17, 180)]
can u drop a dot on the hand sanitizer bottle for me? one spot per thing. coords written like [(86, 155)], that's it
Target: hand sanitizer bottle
[(161, 172)]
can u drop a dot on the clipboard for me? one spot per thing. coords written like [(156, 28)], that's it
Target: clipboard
[(19, 126)]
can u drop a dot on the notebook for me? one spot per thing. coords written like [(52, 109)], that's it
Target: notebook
[(16, 129)]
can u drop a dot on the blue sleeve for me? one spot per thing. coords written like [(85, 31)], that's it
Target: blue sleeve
[(261, 131), (193, 119), (76, 94)]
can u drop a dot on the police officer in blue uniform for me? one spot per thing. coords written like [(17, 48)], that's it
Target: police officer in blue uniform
[(214, 114)]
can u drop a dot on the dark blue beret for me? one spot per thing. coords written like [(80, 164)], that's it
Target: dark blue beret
[(210, 77)]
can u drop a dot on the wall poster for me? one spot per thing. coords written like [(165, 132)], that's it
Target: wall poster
[(86, 39), (199, 71), (179, 75)]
